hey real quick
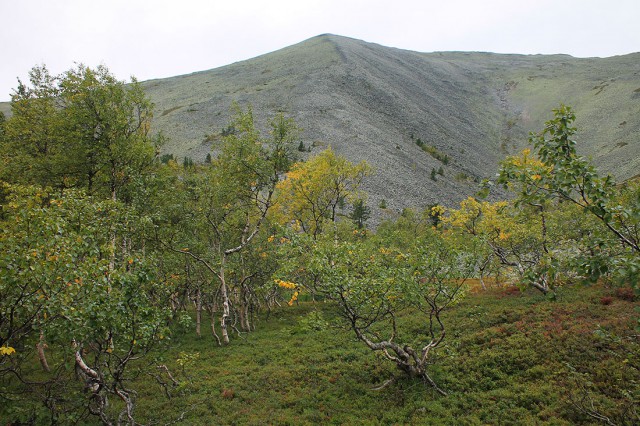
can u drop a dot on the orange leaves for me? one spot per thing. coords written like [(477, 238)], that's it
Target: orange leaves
[(294, 297), (291, 286), (286, 284)]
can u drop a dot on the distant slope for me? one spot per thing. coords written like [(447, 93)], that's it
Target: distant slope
[(367, 101), (373, 102), (364, 100)]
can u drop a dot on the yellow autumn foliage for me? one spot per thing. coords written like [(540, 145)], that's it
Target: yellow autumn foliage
[(312, 190), (286, 284), (7, 350)]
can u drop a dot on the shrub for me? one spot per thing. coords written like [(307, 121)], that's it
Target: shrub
[(625, 293), (606, 300)]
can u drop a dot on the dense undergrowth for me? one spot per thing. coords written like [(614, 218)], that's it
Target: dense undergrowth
[(513, 358)]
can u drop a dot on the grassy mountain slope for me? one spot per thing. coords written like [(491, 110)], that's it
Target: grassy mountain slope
[(373, 102)]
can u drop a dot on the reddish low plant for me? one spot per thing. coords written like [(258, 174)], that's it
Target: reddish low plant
[(625, 293), (606, 300)]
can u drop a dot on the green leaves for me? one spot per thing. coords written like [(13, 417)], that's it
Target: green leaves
[(556, 174), (73, 274), (375, 282), (82, 129)]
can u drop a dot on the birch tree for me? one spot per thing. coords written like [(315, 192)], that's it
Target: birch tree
[(230, 202), (313, 191), (556, 173), (83, 129), (60, 290), (375, 285)]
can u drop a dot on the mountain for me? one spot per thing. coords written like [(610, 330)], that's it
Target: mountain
[(370, 102), (373, 102)]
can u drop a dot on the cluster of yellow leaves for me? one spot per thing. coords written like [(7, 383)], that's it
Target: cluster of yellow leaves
[(525, 159), (7, 350), (529, 166), (437, 210), (294, 297), (286, 284), (291, 286), (482, 218)]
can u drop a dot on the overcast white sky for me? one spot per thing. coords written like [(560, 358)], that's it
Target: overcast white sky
[(163, 38)]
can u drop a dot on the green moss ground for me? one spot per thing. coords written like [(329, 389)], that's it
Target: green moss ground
[(510, 358)]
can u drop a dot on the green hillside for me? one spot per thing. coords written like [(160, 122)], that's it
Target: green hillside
[(373, 102)]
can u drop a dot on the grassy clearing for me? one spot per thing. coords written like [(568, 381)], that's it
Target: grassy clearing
[(510, 358)]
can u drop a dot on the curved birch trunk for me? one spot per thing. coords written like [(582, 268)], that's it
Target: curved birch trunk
[(198, 311), (224, 293)]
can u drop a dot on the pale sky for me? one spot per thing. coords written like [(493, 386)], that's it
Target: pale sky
[(163, 38)]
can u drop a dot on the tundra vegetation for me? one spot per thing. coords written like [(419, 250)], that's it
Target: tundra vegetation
[(113, 257)]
